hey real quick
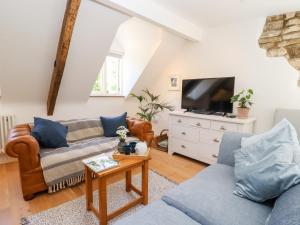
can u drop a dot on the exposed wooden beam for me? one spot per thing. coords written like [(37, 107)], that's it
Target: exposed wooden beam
[(62, 52)]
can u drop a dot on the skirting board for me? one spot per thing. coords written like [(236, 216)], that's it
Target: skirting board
[(6, 159)]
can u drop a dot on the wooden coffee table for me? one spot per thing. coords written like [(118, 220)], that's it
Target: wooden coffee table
[(125, 166)]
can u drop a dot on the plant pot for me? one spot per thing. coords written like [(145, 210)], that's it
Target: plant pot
[(243, 113), (121, 144)]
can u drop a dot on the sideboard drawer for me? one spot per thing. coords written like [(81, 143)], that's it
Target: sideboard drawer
[(209, 153), (199, 123), (211, 136), (185, 133), (179, 120), (223, 126), (184, 147)]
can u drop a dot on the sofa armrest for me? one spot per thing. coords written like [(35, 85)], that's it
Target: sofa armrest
[(141, 129), (23, 146), (229, 143)]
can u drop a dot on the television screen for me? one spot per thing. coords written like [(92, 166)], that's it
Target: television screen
[(208, 95)]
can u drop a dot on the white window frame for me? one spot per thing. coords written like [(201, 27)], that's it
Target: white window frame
[(120, 78)]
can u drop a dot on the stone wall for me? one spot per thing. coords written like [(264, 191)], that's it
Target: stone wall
[(281, 37)]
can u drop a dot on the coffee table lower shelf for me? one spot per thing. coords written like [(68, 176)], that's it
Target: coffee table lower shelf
[(124, 166)]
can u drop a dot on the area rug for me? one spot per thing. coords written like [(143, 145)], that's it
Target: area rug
[(74, 212)]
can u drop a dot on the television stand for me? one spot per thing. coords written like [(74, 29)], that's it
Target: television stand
[(199, 136)]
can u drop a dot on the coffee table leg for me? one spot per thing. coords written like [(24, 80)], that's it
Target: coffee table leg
[(128, 181), (88, 188), (145, 182), (102, 201)]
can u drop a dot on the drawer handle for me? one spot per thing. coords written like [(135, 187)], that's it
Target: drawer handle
[(222, 128), (198, 124), (216, 140), (215, 155), (183, 133), (183, 146), (179, 121)]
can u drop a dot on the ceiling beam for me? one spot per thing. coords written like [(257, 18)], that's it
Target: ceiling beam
[(155, 13), (62, 52)]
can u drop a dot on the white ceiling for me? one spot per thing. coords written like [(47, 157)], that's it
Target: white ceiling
[(212, 13)]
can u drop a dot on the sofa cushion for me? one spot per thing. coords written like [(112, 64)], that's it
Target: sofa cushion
[(267, 164), (157, 213), (208, 199), (287, 208), (49, 134), (111, 124), (230, 142), (81, 129), (284, 127)]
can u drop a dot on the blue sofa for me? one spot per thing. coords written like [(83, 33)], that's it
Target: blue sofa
[(208, 199)]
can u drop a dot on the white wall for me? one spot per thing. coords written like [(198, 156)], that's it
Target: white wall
[(169, 46), (94, 31), (233, 50), (29, 34), (139, 40), (154, 76)]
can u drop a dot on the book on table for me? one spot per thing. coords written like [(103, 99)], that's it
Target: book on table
[(100, 163)]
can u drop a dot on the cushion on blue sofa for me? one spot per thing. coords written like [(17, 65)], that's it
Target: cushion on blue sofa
[(208, 198), (287, 208), (111, 124), (49, 134), (157, 213), (230, 142), (267, 165), (289, 134)]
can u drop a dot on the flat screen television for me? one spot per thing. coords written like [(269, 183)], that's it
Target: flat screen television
[(208, 95)]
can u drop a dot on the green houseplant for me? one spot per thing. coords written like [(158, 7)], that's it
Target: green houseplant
[(150, 105), (244, 100)]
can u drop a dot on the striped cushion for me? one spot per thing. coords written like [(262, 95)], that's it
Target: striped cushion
[(82, 129)]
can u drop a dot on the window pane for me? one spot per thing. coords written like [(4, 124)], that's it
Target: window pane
[(112, 75), (108, 81), (98, 86)]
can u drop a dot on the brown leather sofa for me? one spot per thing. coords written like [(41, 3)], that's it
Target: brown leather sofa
[(23, 146)]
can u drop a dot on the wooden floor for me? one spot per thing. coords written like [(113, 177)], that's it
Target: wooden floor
[(13, 207)]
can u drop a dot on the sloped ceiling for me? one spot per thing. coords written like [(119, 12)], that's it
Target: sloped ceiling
[(29, 33), (212, 13), (93, 35), (139, 41)]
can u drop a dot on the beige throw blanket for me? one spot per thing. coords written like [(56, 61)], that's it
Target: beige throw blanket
[(63, 167)]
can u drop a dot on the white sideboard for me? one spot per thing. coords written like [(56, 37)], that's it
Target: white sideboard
[(198, 136)]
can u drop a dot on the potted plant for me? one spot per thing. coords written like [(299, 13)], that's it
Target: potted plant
[(149, 105), (122, 134), (244, 99)]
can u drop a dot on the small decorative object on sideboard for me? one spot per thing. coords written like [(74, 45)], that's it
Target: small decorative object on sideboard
[(244, 99), (122, 134)]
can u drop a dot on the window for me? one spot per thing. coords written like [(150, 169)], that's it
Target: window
[(109, 80)]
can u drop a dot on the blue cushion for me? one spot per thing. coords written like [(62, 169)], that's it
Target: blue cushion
[(230, 142), (157, 213), (287, 208), (267, 165), (111, 124), (49, 134), (208, 199)]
